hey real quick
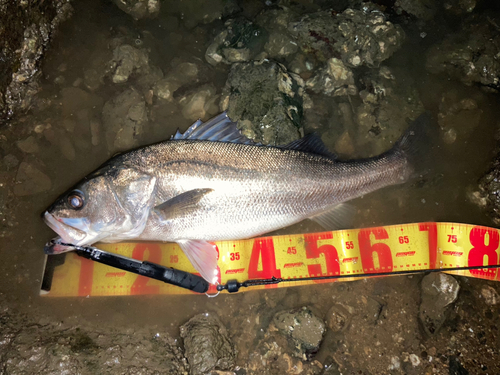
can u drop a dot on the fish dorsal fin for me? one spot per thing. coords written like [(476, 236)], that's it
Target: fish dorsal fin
[(311, 143), (218, 129)]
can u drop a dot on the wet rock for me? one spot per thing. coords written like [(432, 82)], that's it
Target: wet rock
[(280, 42), (357, 37), (194, 105), (30, 180), (458, 117), (488, 194), (439, 291), (74, 99), (422, 9), (126, 60), (207, 344), (334, 80), (460, 7), (28, 145), (44, 347), (490, 295), (95, 131), (338, 318), (241, 40), (124, 119), (470, 55), (302, 64), (180, 75), (266, 101), (139, 9), (304, 328), (388, 105), (10, 161), (26, 29), (195, 12)]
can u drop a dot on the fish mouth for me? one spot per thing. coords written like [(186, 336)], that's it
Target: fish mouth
[(67, 234)]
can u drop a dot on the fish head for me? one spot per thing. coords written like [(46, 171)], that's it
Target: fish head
[(110, 205)]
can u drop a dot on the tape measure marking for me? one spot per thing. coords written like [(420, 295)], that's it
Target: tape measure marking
[(358, 251)]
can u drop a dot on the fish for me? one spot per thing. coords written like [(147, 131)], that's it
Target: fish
[(211, 183)]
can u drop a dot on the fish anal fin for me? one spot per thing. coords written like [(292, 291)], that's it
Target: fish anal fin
[(336, 217), (203, 256), (181, 204)]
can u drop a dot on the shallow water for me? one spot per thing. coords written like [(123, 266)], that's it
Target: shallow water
[(441, 197)]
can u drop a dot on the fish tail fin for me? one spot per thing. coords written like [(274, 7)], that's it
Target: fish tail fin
[(416, 145)]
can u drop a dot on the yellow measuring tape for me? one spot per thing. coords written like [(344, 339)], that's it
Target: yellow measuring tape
[(406, 247)]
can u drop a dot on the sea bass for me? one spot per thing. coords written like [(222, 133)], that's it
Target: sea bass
[(211, 183)]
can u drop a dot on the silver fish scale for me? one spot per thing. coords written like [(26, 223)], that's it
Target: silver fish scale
[(256, 189)]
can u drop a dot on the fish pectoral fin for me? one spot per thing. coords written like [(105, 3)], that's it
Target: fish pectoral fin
[(203, 256), (181, 204), (336, 217)]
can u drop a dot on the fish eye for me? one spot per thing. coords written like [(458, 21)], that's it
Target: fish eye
[(76, 199)]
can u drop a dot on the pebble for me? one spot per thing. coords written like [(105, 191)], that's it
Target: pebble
[(10, 161), (490, 295), (30, 180), (28, 145)]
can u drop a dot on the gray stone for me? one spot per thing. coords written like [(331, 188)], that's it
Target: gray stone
[(439, 291), (338, 318), (207, 344), (488, 195), (26, 30), (28, 145), (360, 37), (490, 295), (139, 9), (30, 180), (423, 9), (241, 40), (280, 44), (471, 54), (389, 104), (194, 104), (10, 161), (304, 328), (124, 118), (126, 60), (334, 80), (458, 117), (180, 75), (266, 100)]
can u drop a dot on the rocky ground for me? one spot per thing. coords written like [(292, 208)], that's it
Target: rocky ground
[(117, 75)]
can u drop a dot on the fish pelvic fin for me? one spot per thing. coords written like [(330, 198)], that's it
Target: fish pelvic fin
[(203, 256)]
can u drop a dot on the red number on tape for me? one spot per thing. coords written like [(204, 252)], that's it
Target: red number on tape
[(431, 228), (86, 276), (154, 256), (263, 248), (314, 252), (367, 250), (478, 239)]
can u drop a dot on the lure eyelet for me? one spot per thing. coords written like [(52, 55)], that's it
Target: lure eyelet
[(76, 200)]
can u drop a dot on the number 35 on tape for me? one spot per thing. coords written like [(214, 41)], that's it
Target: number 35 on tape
[(406, 247)]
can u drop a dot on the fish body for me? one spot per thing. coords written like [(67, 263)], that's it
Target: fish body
[(210, 183)]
